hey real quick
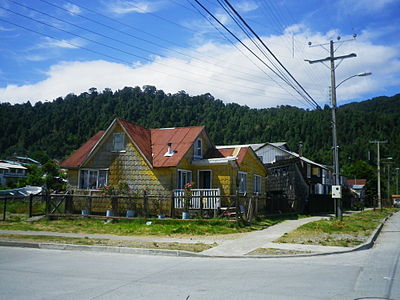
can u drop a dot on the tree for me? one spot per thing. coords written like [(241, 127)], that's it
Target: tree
[(362, 170)]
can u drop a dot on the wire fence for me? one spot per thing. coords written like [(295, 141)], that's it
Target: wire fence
[(13, 207)]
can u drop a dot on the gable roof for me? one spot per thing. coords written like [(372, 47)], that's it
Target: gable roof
[(151, 143), (79, 156), (140, 136), (282, 146), (181, 139), (237, 151)]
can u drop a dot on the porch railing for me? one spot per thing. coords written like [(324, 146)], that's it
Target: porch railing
[(210, 198)]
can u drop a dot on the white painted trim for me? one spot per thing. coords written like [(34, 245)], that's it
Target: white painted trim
[(242, 173), (92, 169), (195, 148), (254, 184), (183, 170)]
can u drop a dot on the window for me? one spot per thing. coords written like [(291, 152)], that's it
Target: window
[(257, 184), (198, 148), (118, 142), (242, 178), (92, 179), (316, 171), (184, 176)]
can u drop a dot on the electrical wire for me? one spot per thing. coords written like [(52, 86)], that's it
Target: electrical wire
[(273, 55)]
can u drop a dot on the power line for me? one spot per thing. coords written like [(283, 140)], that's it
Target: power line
[(105, 55), (116, 49), (244, 54), (308, 99), (273, 55), (133, 36)]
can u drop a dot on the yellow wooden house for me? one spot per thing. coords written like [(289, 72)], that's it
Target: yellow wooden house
[(164, 160)]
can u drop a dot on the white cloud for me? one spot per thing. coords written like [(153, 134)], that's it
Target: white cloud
[(124, 7), (6, 29), (35, 57), (246, 6), (68, 44), (228, 75), (72, 8)]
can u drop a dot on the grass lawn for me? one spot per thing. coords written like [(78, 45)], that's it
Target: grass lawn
[(158, 227), (192, 247), (353, 230)]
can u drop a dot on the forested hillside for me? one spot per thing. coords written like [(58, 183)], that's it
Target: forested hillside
[(57, 128)]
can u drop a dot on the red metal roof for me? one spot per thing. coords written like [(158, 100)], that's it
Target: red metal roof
[(227, 151), (152, 143), (181, 138), (140, 136), (77, 158), (351, 182)]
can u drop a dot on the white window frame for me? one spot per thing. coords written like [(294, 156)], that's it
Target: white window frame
[(87, 187), (120, 147), (198, 149), (179, 177), (242, 188), (257, 184)]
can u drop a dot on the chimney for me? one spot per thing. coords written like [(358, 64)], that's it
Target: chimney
[(169, 152)]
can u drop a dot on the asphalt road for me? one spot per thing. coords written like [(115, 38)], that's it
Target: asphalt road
[(54, 274)]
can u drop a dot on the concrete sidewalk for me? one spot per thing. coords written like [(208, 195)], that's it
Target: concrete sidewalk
[(238, 247), (264, 239)]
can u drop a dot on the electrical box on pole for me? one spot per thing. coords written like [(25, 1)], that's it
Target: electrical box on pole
[(336, 192)]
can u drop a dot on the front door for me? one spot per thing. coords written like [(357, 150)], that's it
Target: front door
[(204, 179)]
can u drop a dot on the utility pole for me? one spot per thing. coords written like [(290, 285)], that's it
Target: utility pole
[(337, 187), (378, 163), (397, 181), (388, 162)]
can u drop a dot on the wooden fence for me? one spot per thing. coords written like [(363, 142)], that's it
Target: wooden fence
[(204, 204)]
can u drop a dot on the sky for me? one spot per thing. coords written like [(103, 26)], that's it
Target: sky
[(50, 48)]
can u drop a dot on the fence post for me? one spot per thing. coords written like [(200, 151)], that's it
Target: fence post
[(172, 213), (145, 204), (201, 204), (46, 197), (30, 205), (68, 204), (4, 208), (237, 208), (114, 205)]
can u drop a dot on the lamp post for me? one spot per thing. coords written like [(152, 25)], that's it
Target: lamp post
[(338, 208), (336, 188)]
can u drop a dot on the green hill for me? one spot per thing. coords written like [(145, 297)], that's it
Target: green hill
[(57, 128)]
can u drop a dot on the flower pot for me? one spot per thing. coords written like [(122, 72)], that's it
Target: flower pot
[(130, 213), (109, 213), (185, 215)]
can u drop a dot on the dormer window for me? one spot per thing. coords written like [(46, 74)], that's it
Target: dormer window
[(118, 142), (198, 148)]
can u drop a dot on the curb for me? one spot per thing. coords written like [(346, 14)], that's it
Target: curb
[(181, 253)]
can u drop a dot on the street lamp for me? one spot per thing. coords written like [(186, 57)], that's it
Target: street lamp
[(338, 208), (356, 75)]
